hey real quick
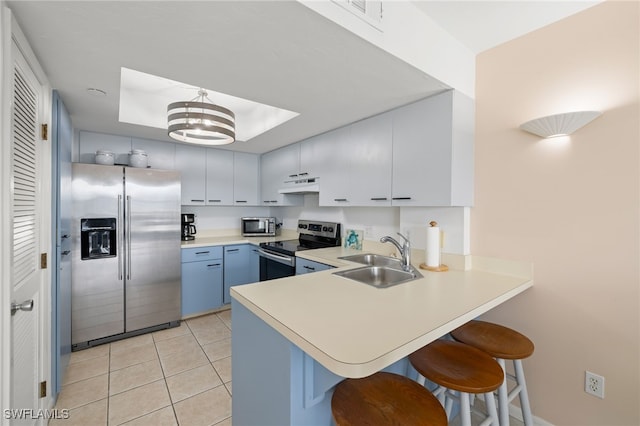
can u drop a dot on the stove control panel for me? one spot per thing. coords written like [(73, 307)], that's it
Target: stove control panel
[(319, 229)]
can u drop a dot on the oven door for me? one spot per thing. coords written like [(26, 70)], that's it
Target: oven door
[(276, 265)]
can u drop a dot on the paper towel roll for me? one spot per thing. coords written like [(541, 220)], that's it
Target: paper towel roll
[(432, 257)]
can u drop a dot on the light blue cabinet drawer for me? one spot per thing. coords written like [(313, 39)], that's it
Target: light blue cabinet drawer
[(304, 266), (201, 253)]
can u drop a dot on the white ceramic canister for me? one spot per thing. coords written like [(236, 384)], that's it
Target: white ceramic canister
[(138, 158), (106, 158)]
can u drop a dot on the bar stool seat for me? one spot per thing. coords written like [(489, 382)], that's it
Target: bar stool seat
[(385, 399), (454, 366), (502, 343)]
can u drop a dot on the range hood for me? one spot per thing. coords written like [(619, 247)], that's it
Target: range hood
[(301, 186)]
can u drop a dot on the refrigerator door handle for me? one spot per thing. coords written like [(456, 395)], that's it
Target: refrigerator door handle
[(120, 242), (128, 230)]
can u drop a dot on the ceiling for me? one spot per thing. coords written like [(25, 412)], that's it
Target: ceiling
[(279, 53)]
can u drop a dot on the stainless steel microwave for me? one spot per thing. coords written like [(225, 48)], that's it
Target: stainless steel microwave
[(258, 226)]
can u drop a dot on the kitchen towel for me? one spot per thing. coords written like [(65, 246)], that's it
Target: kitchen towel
[(432, 255)]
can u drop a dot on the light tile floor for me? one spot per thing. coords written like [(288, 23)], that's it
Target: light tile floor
[(177, 376)]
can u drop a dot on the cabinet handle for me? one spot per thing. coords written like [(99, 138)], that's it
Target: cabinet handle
[(379, 199), (311, 268), (202, 252), (266, 201), (401, 198), (64, 237), (231, 250), (66, 253), (213, 264), (339, 199), (197, 201), (303, 174), (241, 201), (274, 201), (292, 176), (215, 201)]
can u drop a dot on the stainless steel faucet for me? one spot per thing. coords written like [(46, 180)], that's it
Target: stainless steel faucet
[(404, 249)]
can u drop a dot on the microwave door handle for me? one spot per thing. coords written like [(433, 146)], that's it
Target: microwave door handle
[(287, 260)]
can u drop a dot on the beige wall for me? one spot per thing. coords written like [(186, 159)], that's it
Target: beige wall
[(571, 206)]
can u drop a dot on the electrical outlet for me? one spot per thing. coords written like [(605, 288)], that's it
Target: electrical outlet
[(368, 232), (594, 384)]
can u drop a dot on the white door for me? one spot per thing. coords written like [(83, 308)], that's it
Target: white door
[(27, 201)]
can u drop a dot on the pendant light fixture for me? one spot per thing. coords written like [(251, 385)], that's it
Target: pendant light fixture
[(200, 121)]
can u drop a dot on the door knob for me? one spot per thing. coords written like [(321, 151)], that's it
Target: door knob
[(27, 305)]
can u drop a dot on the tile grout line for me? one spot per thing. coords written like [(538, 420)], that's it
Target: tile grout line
[(164, 377)]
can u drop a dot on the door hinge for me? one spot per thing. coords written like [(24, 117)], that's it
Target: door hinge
[(43, 260), (45, 132), (43, 389)]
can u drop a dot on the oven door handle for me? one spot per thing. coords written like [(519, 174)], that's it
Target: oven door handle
[(286, 260)]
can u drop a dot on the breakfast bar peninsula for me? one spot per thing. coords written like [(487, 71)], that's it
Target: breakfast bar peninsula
[(295, 338)]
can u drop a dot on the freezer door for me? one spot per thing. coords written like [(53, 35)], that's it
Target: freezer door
[(97, 284), (152, 242)]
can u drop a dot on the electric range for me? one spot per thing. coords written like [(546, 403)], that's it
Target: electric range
[(277, 258)]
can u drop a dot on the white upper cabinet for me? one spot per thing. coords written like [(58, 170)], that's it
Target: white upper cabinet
[(277, 167), (246, 174), (369, 161), (359, 171), (191, 161), (90, 142), (433, 152), (335, 177), (161, 155), (219, 177)]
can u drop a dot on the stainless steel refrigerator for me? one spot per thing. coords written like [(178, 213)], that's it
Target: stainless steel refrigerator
[(125, 268)]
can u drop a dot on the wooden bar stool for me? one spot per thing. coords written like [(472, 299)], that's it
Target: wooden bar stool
[(385, 399), (454, 366), (502, 343)]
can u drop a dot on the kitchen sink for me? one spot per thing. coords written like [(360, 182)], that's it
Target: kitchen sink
[(374, 260), (380, 276)]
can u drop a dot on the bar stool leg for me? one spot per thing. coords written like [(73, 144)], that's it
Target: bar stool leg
[(524, 395), (465, 409), (490, 402), (503, 396)]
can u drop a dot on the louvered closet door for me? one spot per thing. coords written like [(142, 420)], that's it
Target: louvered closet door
[(26, 210)]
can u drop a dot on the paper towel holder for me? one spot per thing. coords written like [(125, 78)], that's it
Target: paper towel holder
[(442, 267)]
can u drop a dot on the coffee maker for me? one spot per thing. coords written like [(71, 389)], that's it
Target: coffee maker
[(188, 227)]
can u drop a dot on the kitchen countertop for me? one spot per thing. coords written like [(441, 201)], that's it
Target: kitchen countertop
[(355, 330), (225, 240)]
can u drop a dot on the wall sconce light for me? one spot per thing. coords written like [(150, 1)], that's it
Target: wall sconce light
[(560, 124)]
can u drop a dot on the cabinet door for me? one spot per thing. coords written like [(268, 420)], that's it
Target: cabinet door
[(369, 161), (90, 142), (433, 152), (162, 155), (219, 177), (335, 187), (246, 170), (254, 265), (305, 266), (201, 286), (236, 267), (191, 161), (274, 170)]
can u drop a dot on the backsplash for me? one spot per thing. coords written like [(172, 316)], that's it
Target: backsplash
[(376, 222)]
